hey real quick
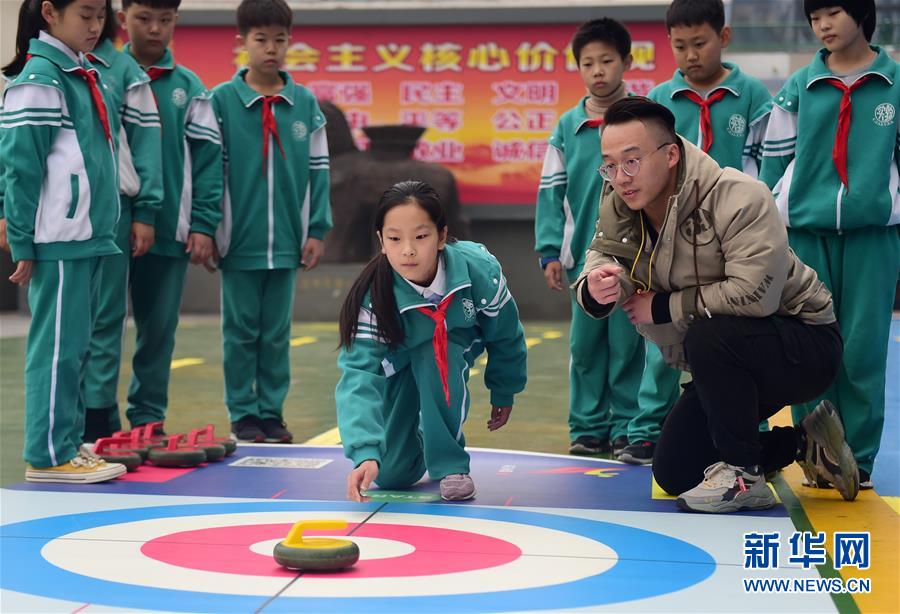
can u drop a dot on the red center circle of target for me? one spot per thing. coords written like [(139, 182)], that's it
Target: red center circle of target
[(437, 551)]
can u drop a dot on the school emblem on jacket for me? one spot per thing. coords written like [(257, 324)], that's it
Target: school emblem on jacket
[(468, 308), (179, 97), (884, 114), (300, 131), (737, 125)]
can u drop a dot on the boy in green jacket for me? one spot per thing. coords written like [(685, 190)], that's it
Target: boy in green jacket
[(135, 123), (191, 210), (276, 214), (831, 157), (606, 356), (724, 112)]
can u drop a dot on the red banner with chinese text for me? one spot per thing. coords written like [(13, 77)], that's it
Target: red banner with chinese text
[(489, 95)]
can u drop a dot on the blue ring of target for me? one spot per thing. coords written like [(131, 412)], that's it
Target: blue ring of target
[(639, 573)]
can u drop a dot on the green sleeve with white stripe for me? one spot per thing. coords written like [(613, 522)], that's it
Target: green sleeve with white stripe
[(32, 116), (550, 215), (140, 119), (780, 143), (504, 339), (758, 122), (360, 394), (205, 144), (319, 177)]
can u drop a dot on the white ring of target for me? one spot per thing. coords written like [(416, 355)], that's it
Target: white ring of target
[(113, 553)]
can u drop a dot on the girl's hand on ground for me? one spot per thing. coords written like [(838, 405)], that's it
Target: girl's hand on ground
[(360, 479), (23, 272), (499, 416)]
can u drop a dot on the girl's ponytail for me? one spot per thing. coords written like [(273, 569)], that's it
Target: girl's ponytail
[(379, 276), (31, 22)]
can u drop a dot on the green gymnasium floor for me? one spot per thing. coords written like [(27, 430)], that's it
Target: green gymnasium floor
[(196, 390)]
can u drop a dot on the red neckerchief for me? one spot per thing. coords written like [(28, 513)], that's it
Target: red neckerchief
[(97, 97), (594, 123), (155, 72), (705, 121), (439, 340), (839, 151), (269, 126)]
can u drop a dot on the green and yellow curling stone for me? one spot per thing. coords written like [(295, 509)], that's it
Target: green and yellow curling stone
[(316, 553)]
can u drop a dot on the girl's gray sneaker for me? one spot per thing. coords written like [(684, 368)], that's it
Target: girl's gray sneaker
[(457, 487)]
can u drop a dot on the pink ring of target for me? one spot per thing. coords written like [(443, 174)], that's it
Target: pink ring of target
[(424, 551)]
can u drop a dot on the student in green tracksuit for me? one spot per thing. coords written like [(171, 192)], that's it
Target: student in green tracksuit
[(832, 158), (724, 112), (191, 206), (411, 328), (134, 121), (606, 356), (61, 203), (276, 214)]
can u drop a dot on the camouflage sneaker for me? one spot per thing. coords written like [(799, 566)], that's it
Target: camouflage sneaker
[(827, 457)]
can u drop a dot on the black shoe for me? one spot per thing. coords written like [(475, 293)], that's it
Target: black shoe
[(248, 430), (640, 453), (618, 445), (98, 423), (158, 430), (865, 480), (586, 444), (275, 431)]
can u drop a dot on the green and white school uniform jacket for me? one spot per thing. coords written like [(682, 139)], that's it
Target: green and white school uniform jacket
[(277, 178), (60, 198), (569, 193), (191, 157), (738, 120), (135, 119), (482, 315), (797, 153)]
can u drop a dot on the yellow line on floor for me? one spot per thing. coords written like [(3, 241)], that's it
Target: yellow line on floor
[(530, 342), (894, 502), (474, 371), (298, 341), (328, 438), (186, 362), (552, 334)]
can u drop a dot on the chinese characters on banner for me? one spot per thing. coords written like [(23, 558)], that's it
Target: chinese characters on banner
[(489, 95)]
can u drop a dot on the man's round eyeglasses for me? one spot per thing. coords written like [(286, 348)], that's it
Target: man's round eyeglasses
[(630, 167)]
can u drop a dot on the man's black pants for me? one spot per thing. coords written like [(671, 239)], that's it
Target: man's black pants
[(744, 371)]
